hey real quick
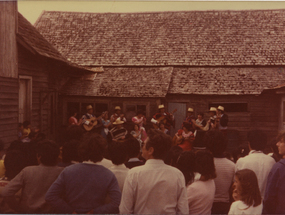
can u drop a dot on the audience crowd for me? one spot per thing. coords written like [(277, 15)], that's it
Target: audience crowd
[(143, 171)]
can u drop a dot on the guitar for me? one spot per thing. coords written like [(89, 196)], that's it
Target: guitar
[(92, 122), (163, 119)]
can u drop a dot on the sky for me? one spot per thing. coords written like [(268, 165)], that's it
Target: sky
[(33, 9)]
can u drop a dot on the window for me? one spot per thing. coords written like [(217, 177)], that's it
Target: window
[(131, 110), (101, 107), (231, 107)]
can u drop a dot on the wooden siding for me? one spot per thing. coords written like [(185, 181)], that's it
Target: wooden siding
[(36, 67), (8, 45), (9, 89), (263, 111)]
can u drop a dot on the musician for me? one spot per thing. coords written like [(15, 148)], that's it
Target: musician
[(190, 119), (162, 116), (213, 118), (118, 133), (117, 115), (222, 119), (87, 116)]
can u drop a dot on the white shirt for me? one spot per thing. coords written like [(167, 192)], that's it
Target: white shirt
[(238, 207), (106, 163), (200, 196), (120, 171), (154, 188), (225, 170), (260, 163)]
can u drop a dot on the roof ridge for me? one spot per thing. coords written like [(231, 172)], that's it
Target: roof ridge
[(156, 12)]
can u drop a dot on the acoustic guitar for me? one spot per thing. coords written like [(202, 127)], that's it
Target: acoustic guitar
[(163, 119), (92, 123)]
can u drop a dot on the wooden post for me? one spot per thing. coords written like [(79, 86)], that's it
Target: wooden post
[(8, 44)]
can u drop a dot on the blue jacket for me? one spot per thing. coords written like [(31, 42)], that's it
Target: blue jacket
[(274, 199), (83, 187)]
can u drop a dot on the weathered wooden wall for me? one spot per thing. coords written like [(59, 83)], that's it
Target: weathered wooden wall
[(9, 89), (263, 111), (36, 67), (8, 44)]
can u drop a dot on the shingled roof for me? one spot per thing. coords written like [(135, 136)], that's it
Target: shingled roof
[(225, 81), (123, 82), (193, 38), (29, 35)]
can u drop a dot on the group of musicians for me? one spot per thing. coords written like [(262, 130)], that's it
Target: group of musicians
[(218, 120)]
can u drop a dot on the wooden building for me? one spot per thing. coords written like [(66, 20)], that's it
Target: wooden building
[(31, 73), (193, 59)]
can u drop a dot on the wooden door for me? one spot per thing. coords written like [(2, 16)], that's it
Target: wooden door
[(179, 116)]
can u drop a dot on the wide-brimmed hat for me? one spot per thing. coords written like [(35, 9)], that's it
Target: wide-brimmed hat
[(160, 106), (89, 107), (117, 108), (213, 109), (190, 110), (221, 108), (118, 121)]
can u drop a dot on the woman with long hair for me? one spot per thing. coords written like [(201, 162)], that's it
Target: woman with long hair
[(246, 194)]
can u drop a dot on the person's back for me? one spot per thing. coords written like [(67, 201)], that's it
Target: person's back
[(154, 188), (35, 181), (256, 160)]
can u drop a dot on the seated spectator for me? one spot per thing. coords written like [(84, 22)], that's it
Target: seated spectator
[(70, 153), (246, 194), (154, 188), (133, 151), (83, 187), (14, 161), (118, 155), (275, 188), (34, 181), (201, 193), (172, 156), (257, 161), (225, 169)]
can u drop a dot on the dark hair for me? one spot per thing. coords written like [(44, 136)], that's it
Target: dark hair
[(160, 142), (118, 152), (140, 112), (135, 125), (133, 147), (201, 114), (74, 132), (187, 126), (186, 164), (172, 155), (280, 136), (250, 193), (20, 125), (241, 151), (48, 151), (26, 124), (204, 164), (257, 139), (70, 151), (92, 147), (215, 142), (14, 162), (73, 111), (15, 145)]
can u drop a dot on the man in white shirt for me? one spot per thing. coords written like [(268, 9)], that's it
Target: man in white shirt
[(256, 160), (154, 188)]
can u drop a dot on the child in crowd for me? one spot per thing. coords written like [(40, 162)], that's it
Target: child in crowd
[(246, 194)]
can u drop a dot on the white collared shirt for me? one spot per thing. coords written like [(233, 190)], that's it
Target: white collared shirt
[(154, 188), (258, 162), (120, 171)]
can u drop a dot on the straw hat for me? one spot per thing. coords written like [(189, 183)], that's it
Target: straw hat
[(118, 121), (190, 110), (89, 107), (221, 108), (213, 109), (117, 108), (160, 106)]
